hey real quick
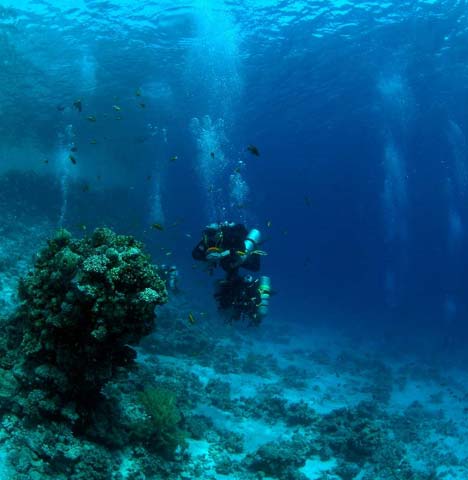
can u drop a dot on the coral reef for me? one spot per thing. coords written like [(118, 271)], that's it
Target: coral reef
[(81, 307), (282, 459)]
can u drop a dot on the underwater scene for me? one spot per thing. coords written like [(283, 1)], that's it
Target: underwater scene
[(233, 240)]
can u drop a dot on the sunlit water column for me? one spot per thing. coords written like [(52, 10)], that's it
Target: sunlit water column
[(456, 190), (64, 165), (63, 154), (88, 68), (156, 203), (213, 70), (211, 164), (397, 108), (395, 202)]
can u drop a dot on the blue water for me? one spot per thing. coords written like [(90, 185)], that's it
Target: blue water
[(358, 110)]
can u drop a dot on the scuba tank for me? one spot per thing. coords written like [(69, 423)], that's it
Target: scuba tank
[(252, 240), (264, 289)]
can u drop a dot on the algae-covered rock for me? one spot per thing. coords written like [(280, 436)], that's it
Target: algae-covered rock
[(282, 459), (81, 307)]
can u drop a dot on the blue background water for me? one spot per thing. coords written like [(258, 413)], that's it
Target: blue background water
[(358, 110)]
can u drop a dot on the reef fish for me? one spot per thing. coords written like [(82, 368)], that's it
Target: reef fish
[(253, 150)]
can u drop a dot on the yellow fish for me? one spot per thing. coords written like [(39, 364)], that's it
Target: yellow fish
[(191, 318)]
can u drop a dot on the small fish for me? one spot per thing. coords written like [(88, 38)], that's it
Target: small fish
[(93, 141), (253, 150), (142, 105), (116, 108), (138, 92), (237, 170), (78, 105), (82, 226), (191, 318), (72, 159), (60, 108), (85, 188), (188, 235), (174, 158), (168, 253), (269, 223), (307, 200), (260, 252), (46, 160), (91, 118), (74, 149), (212, 155), (157, 226)]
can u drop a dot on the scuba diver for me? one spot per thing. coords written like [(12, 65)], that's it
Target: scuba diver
[(170, 275), (232, 247)]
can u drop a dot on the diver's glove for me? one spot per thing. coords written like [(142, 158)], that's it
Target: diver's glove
[(216, 256), (213, 257)]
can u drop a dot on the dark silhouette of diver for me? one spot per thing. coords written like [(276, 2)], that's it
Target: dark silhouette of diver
[(232, 247)]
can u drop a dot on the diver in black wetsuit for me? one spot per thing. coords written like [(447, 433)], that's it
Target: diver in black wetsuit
[(232, 247)]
